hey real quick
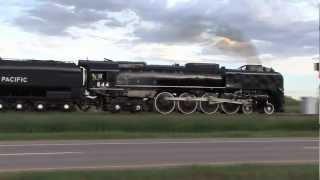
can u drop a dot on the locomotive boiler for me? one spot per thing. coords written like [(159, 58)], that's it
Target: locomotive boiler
[(194, 87), (135, 86)]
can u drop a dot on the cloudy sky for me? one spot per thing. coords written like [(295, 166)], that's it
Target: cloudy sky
[(282, 34)]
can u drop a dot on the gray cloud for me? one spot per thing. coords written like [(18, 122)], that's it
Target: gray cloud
[(287, 39), (110, 5), (185, 23), (54, 19)]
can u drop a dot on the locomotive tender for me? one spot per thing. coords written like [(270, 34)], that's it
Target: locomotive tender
[(135, 86)]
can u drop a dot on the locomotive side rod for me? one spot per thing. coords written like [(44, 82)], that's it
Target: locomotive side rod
[(211, 99)]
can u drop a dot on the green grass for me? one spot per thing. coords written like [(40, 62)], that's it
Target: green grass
[(55, 125), (126, 135), (150, 125), (231, 172)]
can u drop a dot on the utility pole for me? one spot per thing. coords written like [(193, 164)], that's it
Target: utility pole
[(318, 64), (319, 61)]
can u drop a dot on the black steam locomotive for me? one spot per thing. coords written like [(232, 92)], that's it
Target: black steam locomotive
[(135, 86)]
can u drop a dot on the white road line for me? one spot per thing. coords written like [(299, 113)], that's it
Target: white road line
[(311, 147), (40, 154), (160, 142)]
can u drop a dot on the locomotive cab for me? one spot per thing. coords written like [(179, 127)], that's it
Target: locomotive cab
[(99, 74)]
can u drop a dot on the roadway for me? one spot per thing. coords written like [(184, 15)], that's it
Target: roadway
[(107, 154)]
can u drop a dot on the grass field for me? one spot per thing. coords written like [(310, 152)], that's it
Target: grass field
[(235, 172), (149, 125)]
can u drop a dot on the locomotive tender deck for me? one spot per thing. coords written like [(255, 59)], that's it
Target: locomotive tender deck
[(136, 86)]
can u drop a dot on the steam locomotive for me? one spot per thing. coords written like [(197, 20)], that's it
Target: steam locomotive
[(135, 86)]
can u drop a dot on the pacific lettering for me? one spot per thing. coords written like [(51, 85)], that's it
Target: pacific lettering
[(13, 79)]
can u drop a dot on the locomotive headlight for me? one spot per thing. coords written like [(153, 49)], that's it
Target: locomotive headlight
[(1, 106)]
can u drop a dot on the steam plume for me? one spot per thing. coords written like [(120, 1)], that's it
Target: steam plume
[(233, 42)]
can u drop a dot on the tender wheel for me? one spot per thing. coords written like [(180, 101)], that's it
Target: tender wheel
[(162, 104), (136, 108), (2, 106), (268, 108), (208, 108), (187, 106), (19, 106), (67, 107), (247, 108), (115, 108), (39, 106)]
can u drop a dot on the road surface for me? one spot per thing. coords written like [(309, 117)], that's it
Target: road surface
[(54, 155)]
